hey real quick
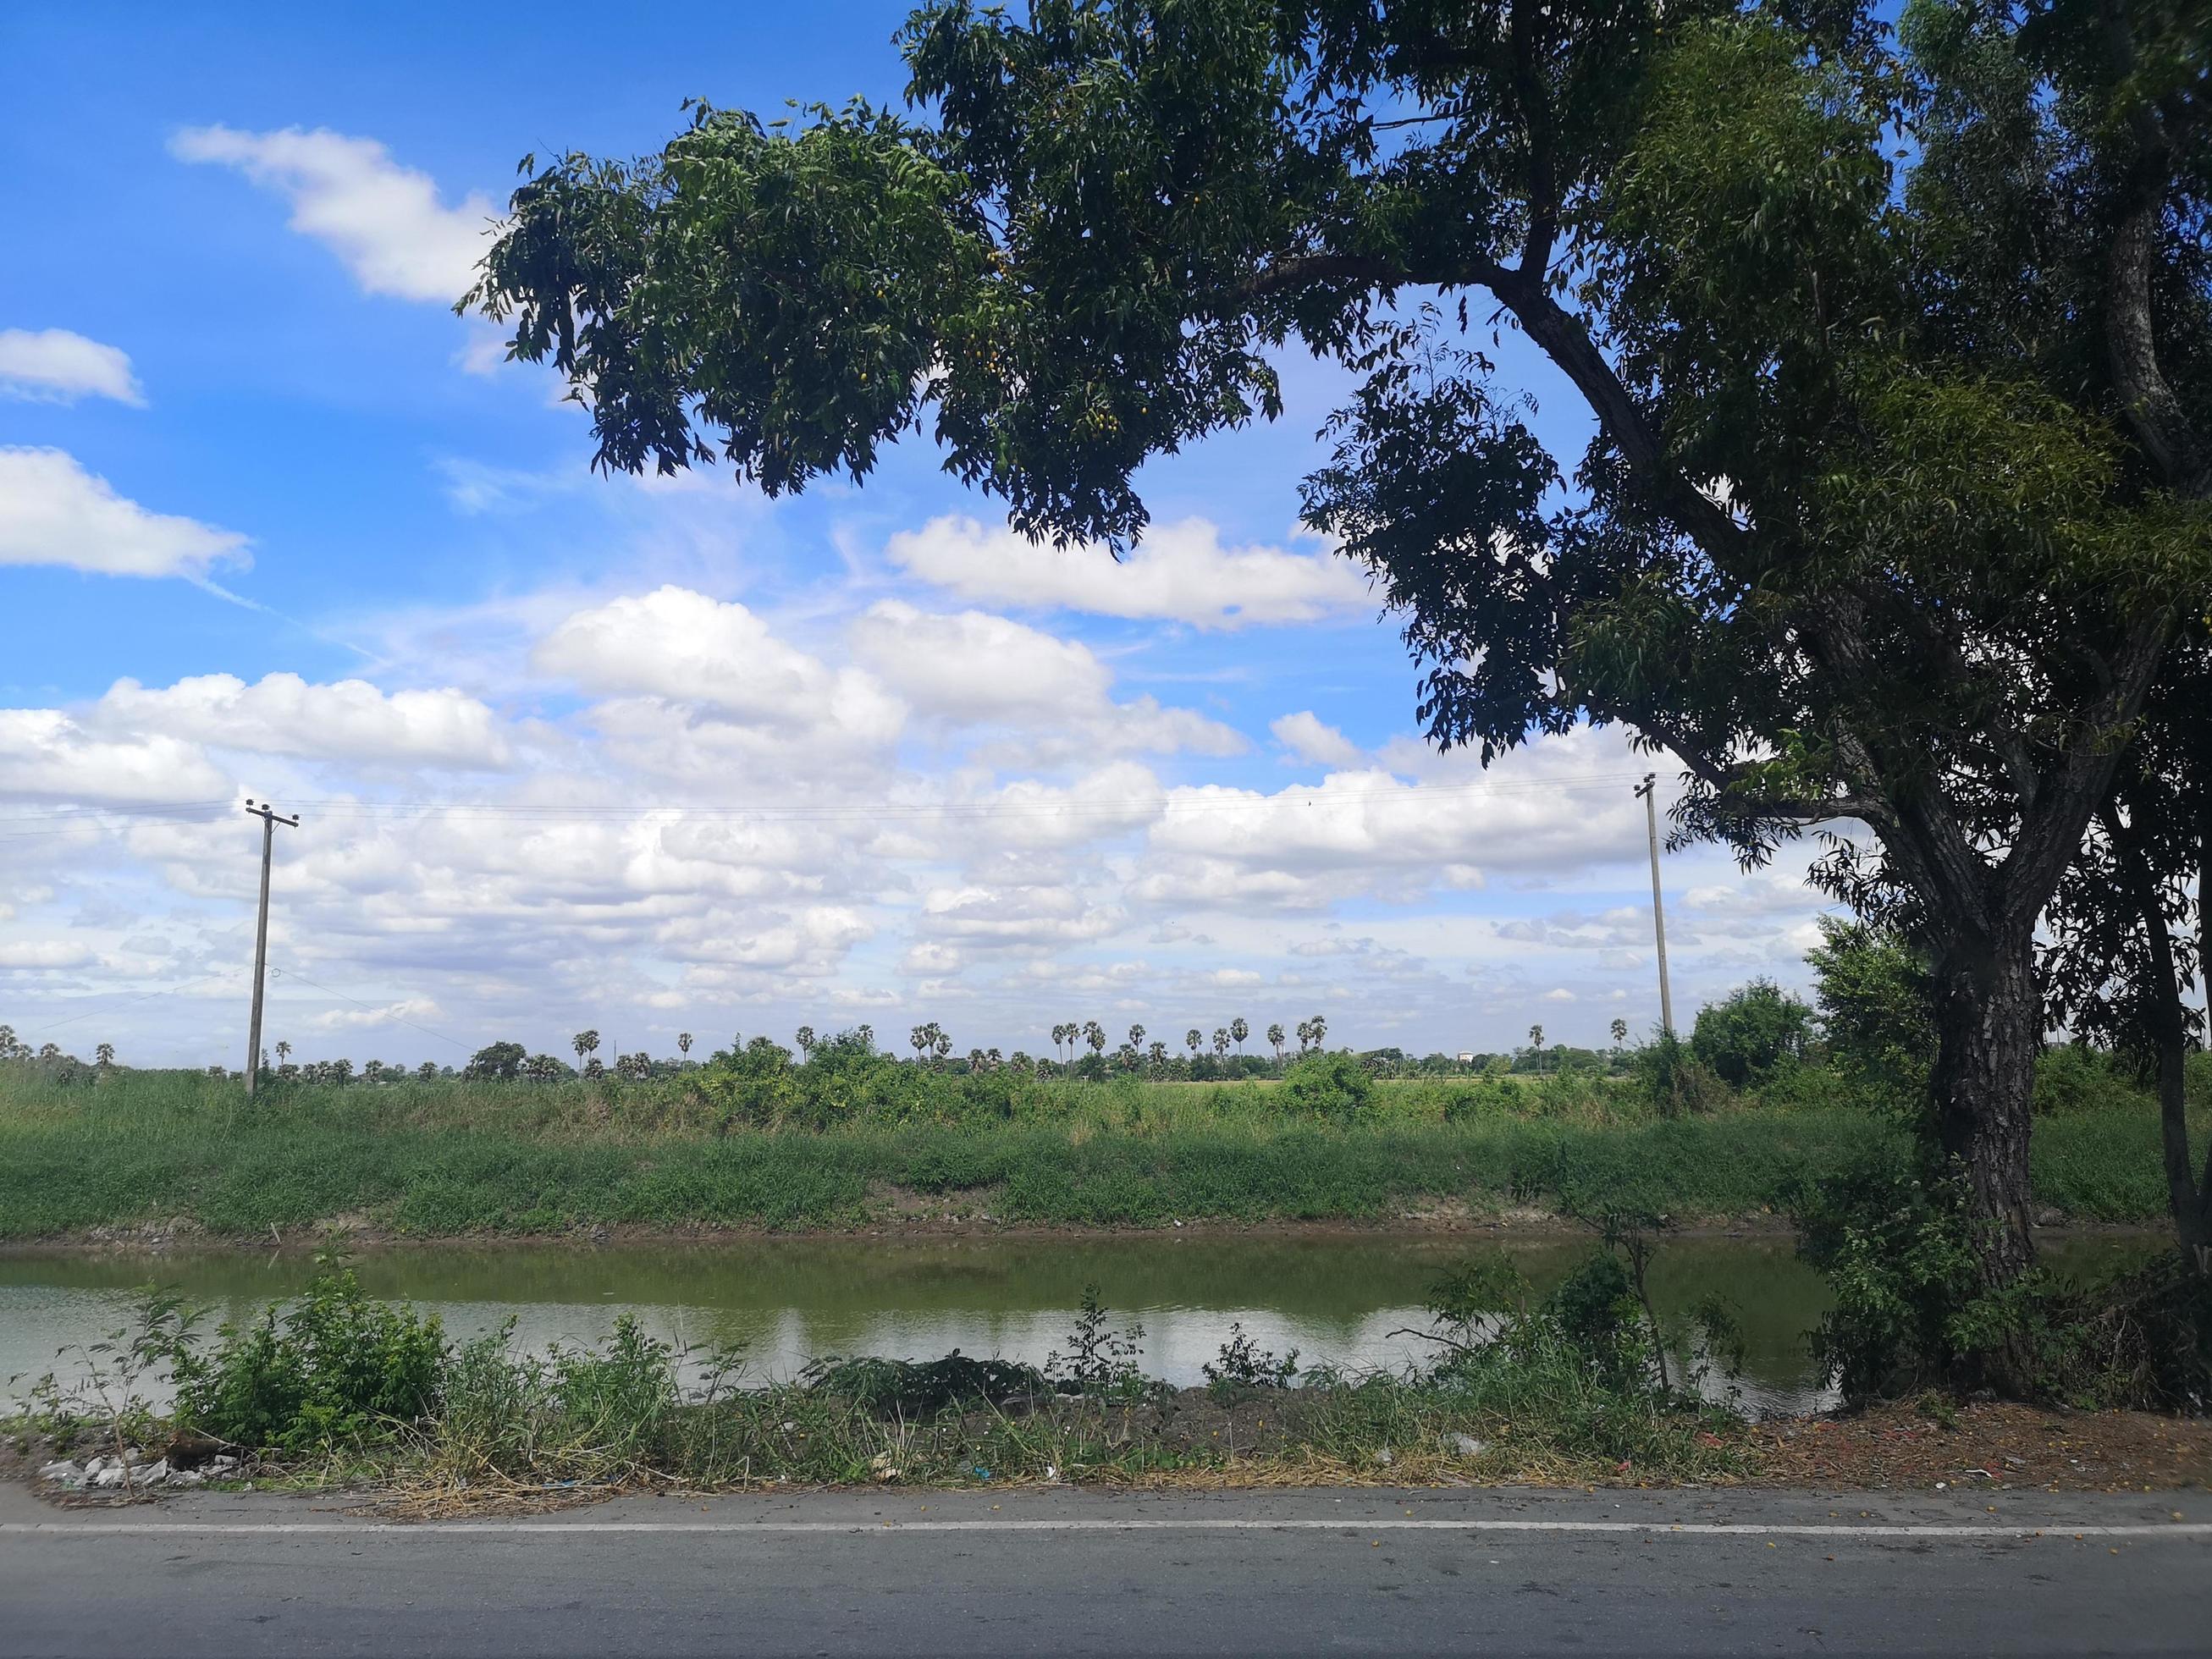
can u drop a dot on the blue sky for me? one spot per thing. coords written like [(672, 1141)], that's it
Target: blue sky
[(574, 751)]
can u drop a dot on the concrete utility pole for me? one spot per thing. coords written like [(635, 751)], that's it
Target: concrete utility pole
[(1658, 911), (269, 820)]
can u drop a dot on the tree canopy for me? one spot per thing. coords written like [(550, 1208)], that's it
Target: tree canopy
[(1898, 343)]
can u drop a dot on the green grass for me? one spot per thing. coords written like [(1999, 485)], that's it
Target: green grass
[(446, 1157)]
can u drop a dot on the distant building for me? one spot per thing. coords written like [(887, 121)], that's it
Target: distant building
[(1466, 1059)]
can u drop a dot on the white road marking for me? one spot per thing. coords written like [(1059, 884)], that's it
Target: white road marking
[(1649, 1529)]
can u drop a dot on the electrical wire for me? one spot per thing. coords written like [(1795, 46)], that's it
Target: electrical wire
[(868, 811), (118, 1005), (396, 1020)]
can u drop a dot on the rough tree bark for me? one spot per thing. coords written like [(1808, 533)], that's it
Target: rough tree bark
[(1989, 1023)]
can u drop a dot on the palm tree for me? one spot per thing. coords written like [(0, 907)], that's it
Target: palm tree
[(1137, 1037), (1095, 1035), (1158, 1055), (920, 1040), (1536, 1044), (1238, 1030), (1060, 1035), (805, 1039), (1193, 1039), (1275, 1036), (683, 1043), (1220, 1042), (944, 1042), (1320, 1029), (1620, 1036), (426, 1070), (103, 1055), (585, 1043), (1305, 1035), (283, 1053)]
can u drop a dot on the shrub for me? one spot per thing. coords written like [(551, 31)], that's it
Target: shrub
[(1875, 1010), (1331, 1084), (2072, 1077), (1758, 1030), (1242, 1367), (1672, 1078), (337, 1366)]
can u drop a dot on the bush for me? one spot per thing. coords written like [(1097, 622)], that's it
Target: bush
[(1332, 1084), (1875, 1010), (1673, 1079), (335, 1367), (2072, 1077), (1758, 1029)]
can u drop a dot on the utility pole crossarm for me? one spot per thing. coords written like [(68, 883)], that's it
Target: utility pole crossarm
[(270, 819), (1649, 794)]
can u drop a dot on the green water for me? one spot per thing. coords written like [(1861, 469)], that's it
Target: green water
[(1341, 1300)]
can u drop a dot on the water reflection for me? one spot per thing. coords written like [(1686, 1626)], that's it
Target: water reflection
[(1337, 1299)]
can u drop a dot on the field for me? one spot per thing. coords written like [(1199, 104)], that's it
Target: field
[(123, 1149)]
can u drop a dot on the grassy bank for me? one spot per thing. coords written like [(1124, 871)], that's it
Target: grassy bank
[(452, 1156)]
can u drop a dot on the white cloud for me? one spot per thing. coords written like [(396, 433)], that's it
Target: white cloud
[(385, 221), (33, 954), (416, 1009), (1181, 572), (1308, 737), (973, 666), (975, 669), (284, 714), (54, 511), (45, 754), (685, 648), (55, 366)]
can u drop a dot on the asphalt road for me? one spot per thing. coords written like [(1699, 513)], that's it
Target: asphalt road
[(1075, 1572)]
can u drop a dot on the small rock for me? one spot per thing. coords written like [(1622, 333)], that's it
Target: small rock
[(1467, 1446), (186, 1477), (113, 1475), (223, 1465), (2048, 1217), (1384, 1458), (189, 1449), (64, 1471), (2012, 1462), (95, 1466), (151, 1474)]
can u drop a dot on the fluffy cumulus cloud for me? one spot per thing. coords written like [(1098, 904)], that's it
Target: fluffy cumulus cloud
[(664, 810), (407, 1011), (974, 669), (1309, 738), (52, 365), (387, 222), (284, 714), (1179, 573), (696, 687), (53, 512), (47, 754)]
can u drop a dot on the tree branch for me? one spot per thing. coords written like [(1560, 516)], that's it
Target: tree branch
[(2051, 834), (1567, 343), (2175, 448)]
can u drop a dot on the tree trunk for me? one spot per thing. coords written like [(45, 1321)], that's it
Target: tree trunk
[(1988, 1021), (2165, 1023)]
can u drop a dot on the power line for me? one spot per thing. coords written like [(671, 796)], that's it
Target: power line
[(118, 1005), (862, 811), (396, 1020)]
